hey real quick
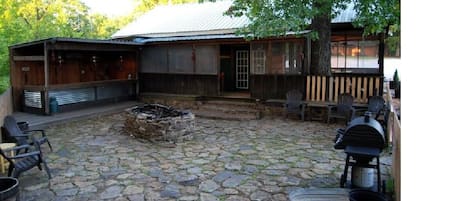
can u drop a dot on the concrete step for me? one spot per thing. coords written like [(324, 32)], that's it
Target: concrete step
[(211, 114), (228, 103), (228, 110)]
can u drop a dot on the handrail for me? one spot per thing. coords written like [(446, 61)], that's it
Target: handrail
[(394, 135), (328, 88)]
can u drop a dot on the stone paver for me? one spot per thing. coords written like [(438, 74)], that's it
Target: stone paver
[(94, 159)]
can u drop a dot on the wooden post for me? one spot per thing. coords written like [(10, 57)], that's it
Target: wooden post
[(381, 63), (308, 87), (137, 70), (15, 86), (308, 55), (46, 79)]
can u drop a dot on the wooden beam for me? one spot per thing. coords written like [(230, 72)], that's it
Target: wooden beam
[(381, 63), (93, 47), (46, 79), (308, 87), (308, 55), (28, 58)]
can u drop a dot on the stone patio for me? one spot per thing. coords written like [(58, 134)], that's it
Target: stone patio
[(226, 160)]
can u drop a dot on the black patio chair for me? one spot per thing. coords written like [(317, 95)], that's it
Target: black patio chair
[(295, 104), (343, 110), (376, 105), (22, 137), (26, 158)]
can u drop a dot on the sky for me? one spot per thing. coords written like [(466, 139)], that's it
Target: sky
[(110, 7)]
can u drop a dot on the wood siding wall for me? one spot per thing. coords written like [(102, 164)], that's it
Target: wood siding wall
[(79, 67), (326, 89), (206, 85), (275, 86)]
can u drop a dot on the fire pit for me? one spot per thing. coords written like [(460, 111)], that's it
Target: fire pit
[(155, 122)]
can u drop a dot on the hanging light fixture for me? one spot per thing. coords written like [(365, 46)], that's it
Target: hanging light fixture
[(60, 59)]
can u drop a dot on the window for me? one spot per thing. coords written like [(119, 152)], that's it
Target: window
[(154, 60), (286, 58), (180, 59), (258, 61), (206, 59), (293, 58), (258, 53), (278, 58), (354, 54)]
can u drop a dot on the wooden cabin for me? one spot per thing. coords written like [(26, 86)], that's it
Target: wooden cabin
[(198, 53), (76, 72)]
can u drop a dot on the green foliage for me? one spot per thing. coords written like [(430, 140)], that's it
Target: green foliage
[(393, 41), (281, 17), (28, 20), (278, 17), (4, 83), (376, 16)]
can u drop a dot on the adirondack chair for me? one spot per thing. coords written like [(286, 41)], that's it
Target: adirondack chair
[(22, 137), (295, 104), (376, 105), (343, 110), (27, 157)]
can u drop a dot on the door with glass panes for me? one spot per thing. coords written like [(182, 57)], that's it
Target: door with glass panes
[(242, 69)]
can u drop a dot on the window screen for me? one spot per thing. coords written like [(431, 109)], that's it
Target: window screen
[(206, 59), (154, 60), (354, 54), (258, 57), (180, 59), (287, 58)]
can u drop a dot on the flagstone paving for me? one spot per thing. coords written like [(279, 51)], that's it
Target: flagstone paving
[(227, 160)]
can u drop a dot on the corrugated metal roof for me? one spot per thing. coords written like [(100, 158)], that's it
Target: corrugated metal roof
[(184, 38), (75, 40), (194, 20), (347, 15), (198, 37), (184, 19)]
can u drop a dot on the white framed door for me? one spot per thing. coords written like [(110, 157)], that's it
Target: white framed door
[(242, 69)]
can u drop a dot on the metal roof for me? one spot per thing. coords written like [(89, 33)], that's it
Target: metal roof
[(194, 20), (200, 37), (184, 20), (347, 15), (184, 38), (75, 40)]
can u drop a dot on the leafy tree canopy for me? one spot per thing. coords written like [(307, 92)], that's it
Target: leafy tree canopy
[(278, 17), (28, 20)]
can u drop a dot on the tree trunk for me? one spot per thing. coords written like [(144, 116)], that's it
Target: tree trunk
[(321, 48)]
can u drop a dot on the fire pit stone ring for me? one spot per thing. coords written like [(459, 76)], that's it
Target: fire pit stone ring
[(155, 122)]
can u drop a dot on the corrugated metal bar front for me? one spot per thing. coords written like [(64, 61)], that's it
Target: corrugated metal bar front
[(32, 99), (70, 96)]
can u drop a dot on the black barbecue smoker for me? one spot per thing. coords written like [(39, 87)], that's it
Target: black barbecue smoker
[(362, 140)]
